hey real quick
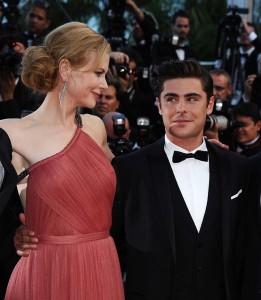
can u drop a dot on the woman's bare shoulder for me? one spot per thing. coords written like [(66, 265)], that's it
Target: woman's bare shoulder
[(94, 126)]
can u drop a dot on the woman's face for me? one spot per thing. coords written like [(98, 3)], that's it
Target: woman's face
[(85, 84)]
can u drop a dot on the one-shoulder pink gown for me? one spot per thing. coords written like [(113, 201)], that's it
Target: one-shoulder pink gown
[(69, 202)]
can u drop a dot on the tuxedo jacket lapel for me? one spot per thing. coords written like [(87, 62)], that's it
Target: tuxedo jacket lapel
[(159, 170), (222, 167)]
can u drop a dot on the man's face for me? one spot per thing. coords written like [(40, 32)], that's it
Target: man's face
[(249, 131), (37, 20), (221, 88), (244, 38), (181, 28), (183, 106), (137, 31), (107, 102)]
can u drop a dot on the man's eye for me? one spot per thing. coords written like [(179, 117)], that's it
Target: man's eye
[(171, 99)]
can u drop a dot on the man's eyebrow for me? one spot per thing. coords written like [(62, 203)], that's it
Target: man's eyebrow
[(193, 95), (171, 94)]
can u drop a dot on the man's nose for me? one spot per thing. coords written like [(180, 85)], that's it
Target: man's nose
[(181, 106)]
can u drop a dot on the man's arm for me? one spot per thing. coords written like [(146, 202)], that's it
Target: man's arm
[(24, 239)]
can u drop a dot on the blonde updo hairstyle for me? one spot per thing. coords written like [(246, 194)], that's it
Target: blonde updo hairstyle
[(73, 41)]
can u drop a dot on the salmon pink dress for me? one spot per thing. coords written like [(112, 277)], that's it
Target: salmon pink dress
[(69, 203)]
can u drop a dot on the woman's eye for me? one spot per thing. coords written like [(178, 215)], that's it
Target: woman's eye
[(99, 74)]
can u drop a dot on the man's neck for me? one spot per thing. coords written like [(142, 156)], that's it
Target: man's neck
[(189, 144)]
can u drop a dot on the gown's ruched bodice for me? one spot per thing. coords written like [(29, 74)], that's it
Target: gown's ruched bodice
[(69, 202)]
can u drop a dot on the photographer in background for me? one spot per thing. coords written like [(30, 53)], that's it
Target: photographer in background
[(144, 27), (17, 99), (177, 46), (222, 91), (38, 22), (247, 139), (12, 47), (134, 102)]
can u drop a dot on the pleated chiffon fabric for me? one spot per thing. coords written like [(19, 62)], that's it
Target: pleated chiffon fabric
[(69, 202)]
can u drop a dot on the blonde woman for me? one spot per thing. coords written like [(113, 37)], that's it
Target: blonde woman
[(71, 183)]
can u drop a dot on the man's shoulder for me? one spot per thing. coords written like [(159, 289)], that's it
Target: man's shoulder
[(228, 154)]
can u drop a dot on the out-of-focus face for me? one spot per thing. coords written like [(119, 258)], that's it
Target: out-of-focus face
[(183, 106), (107, 102), (37, 20), (244, 39), (181, 28), (85, 85), (249, 131), (137, 31), (221, 87)]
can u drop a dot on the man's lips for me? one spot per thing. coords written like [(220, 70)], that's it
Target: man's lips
[(181, 121)]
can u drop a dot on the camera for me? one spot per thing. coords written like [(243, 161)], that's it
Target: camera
[(143, 131), (123, 69), (10, 60), (120, 145), (221, 117)]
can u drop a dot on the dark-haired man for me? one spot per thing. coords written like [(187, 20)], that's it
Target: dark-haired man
[(177, 47), (247, 138), (38, 22), (182, 200)]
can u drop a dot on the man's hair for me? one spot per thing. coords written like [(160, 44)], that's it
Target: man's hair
[(42, 4), (248, 109), (219, 72), (188, 68), (179, 14)]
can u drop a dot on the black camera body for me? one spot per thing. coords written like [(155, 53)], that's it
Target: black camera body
[(120, 145), (143, 131), (222, 117)]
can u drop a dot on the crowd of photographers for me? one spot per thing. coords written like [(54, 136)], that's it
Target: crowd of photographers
[(133, 73)]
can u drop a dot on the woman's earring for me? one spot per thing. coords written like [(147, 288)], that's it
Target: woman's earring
[(63, 92)]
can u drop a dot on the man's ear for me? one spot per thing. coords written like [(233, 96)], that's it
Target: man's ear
[(159, 105), (258, 125), (210, 105), (48, 23), (64, 69)]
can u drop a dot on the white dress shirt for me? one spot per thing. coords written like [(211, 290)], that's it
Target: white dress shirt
[(2, 174), (192, 176)]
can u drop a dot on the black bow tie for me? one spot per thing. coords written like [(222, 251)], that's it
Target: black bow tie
[(180, 156)]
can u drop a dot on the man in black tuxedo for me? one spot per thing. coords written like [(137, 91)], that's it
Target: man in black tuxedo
[(10, 207), (179, 219)]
